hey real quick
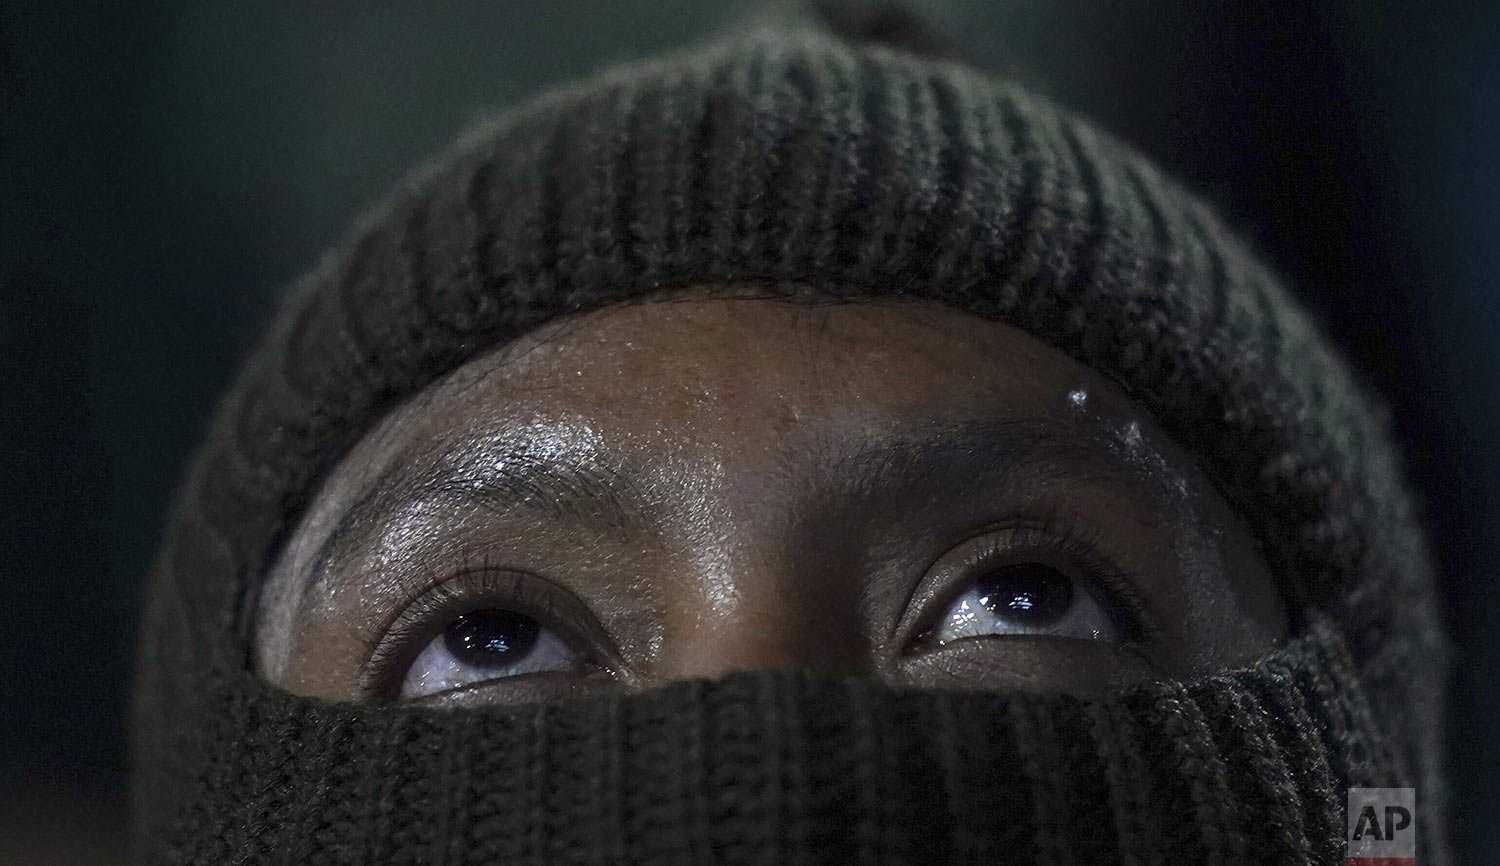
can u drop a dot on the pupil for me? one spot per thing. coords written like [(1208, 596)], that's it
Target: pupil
[(1028, 593), (490, 638)]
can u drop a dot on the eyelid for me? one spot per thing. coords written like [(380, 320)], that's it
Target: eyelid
[(423, 617), (1064, 542)]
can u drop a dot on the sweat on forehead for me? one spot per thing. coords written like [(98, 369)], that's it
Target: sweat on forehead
[(883, 371), (614, 424)]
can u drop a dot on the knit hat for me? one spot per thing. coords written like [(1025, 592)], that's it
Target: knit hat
[(789, 155)]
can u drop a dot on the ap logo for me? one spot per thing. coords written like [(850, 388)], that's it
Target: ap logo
[(1382, 826)]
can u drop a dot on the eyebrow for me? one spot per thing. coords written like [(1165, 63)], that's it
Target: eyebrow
[(980, 454), (507, 475), (514, 476)]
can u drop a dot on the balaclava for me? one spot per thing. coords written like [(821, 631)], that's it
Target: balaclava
[(796, 154)]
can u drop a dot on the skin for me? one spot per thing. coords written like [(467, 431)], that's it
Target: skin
[(775, 483)]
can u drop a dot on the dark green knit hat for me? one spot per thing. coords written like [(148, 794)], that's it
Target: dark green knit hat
[(789, 156)]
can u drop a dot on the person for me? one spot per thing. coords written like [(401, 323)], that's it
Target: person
[(803, 448)]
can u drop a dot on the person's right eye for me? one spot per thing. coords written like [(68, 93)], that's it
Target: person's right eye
[(486, 627), (486, 645)]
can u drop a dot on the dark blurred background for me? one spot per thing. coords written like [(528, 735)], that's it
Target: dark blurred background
[(166, 167)]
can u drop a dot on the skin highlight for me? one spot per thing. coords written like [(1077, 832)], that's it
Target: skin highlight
[(707, 483)]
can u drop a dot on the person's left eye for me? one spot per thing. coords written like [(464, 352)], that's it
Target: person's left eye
[(485, 645), (1029, 580), (1024, 598)]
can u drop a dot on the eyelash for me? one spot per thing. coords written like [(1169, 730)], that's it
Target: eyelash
[(440, 598), (1052, 540)]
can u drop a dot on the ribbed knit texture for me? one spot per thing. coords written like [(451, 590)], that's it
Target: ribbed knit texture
[(791, 157), (781, 767)]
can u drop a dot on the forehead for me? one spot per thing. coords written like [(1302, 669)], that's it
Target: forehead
[(742, 400), (714, 374)]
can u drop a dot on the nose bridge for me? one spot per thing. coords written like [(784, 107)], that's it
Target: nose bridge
[(788, 611), (722, 644), (763, 584)]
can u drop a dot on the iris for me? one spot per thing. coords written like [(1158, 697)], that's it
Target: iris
[(491, 638), (1026, 593)]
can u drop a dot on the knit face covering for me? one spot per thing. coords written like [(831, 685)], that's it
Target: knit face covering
[(792, 157)]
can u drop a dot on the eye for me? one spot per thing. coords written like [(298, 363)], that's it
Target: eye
[(1029, 581), (486, 626), (486, 645), (1027, 598)]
